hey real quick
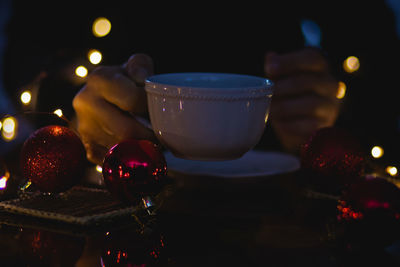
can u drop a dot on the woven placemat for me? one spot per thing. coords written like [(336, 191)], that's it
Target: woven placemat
[(79, 205)]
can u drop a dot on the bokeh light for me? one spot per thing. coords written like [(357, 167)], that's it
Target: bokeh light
[(341, 92), (9, 130), (26, 97), (377, 152), (8, 136), (3, 181), (99, 168), (58, 112), (81, 71), (351, 64), (95, 56), (101, 27), (391, 170), (4, 176), (9, 124)]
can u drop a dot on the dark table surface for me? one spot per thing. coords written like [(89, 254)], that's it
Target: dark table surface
[(201, 221)]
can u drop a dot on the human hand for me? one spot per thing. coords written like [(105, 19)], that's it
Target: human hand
[(104, 106), (304, 97)]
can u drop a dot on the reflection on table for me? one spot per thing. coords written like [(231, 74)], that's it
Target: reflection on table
[(202, 221)]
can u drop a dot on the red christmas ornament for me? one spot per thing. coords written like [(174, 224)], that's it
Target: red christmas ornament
[(373, 196), (52, 158), (332, 159), (129, 248), (370, 209), (134, 169), (45, 248)]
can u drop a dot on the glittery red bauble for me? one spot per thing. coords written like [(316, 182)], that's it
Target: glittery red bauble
[(45, 248), (333, 159), (371, 210), (373, 195), (52, 158), (130, 248), (134, 169)]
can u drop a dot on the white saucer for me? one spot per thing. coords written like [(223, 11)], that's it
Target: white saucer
[(252, 164)]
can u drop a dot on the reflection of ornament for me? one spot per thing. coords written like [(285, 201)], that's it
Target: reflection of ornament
[(52, 158), (43, 248), (332, 158), (374, 194), (134, 169), (133, 249), (370, 209)]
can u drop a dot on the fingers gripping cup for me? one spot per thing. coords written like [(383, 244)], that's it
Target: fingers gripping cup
[(208, 116)]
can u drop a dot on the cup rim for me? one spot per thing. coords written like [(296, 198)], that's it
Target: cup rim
[(261, 85)]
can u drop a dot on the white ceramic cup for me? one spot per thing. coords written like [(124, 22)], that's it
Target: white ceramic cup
[(208, 116)]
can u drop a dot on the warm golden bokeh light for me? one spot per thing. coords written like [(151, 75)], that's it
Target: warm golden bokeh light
[(9, 124), (81, 71), (9, 128), (8, 136), (4, 179), (26, 97), (351, 64), (101, 27), (1, 125), (391, 170), (58, 112), (95, 56), (377, 152), (99, 168), (3, 182), (341, 92)]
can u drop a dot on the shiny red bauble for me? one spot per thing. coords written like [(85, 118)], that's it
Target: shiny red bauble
[(53, 159), (45, 248), (133, 169), (127, 247), (333, 159), (373, 195), (370, 210)]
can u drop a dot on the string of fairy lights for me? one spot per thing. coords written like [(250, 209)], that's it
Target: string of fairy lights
[(101, 27), (9, 124)]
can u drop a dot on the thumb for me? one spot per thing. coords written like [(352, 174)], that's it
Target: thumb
[(139, 67)]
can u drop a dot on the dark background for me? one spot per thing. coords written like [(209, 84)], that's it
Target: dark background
[(46, 41)]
